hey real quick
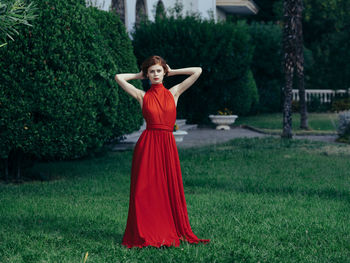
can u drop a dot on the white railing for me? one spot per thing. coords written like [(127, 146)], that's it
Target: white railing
[(325, 95)]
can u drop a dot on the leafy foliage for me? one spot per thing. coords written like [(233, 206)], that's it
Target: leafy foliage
[(14, 14), (267, 65), (344, 126), (223, 50), (332, 56), (58, 97), (326, 38), (326, 33), (341, 103)]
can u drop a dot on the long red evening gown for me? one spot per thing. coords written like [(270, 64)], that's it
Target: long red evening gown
[(157, 208)]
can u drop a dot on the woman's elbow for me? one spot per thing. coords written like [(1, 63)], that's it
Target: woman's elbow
[(199, 70), (116, 77)]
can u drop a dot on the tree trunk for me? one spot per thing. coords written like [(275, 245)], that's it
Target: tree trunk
[(300, 67), (289, 47), (287, 106)]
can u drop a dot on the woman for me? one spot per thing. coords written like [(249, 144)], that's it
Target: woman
[(157, 208)]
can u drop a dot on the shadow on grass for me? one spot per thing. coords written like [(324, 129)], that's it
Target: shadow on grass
[(63, 229), (210, 178), (324, 193)]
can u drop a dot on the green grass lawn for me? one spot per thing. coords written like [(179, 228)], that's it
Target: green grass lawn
[(258, 200), (319, 123)]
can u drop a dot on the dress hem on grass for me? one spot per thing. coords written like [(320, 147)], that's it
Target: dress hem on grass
[(174, 243)]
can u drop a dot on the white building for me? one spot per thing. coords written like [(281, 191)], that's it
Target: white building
[(131, 11)]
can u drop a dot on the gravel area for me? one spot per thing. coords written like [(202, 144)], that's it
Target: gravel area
[(206, 136)]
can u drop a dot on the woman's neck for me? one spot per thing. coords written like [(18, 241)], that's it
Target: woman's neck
[(156, 84)]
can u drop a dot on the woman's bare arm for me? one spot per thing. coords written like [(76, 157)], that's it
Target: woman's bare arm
[(178, 89), (122, 80)]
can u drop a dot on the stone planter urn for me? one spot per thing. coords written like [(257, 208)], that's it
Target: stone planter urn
[(223, 121), (179, 135)]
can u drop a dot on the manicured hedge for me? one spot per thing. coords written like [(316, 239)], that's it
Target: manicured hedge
[(223, 50), (58, 97), (267, 65), (332, 56)]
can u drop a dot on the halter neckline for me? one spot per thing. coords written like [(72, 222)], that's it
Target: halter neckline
[(158, 85)]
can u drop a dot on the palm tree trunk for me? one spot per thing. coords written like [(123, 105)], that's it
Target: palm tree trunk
[(289, 47), (300, 67), (287, 105)]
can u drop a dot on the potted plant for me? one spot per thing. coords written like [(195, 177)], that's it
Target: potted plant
[(223, 119), (178, 134)]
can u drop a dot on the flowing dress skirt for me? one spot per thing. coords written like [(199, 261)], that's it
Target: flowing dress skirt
[(157, 208)]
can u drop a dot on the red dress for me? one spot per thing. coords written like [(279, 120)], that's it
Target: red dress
[(157, 208)]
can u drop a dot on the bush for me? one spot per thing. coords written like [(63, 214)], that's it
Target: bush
[(344, 126), (295, 106), (250, 91), (58, 96), (327, 34), (315, 105), (127, 112), (267, 65), (223, 50), (341, 104)]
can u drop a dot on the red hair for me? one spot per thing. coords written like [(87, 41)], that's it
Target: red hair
[(153, 60)]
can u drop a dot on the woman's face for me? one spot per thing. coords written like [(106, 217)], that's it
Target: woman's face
[(156, 74)]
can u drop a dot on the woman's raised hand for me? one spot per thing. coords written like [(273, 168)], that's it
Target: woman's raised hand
[(169, 70), (122, 80), (140, 75)]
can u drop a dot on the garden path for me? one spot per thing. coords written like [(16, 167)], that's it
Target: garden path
[(197, 137)]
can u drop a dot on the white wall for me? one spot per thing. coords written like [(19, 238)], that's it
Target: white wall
[(206, 6), (130, 14), (189, 5), (101, 4), (201, 6)]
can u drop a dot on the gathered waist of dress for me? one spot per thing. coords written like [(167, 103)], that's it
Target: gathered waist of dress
[(159, 127)]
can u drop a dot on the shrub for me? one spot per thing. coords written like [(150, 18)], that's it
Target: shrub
[(329, 37), (295, 106), (315, 105), (267, 65), (58, 96), (127, 112), (223, 50), (344, 126), (340, 104), (250, 91)]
